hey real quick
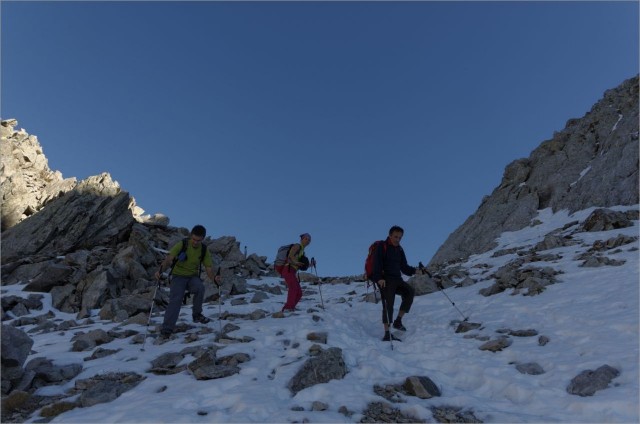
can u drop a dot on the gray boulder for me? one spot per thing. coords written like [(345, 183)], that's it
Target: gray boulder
[(326, 366), (106, 387), (43, 372), (588, 382), (16, 346), (206, 368), (421, 386), (531, 368), (605, 220)]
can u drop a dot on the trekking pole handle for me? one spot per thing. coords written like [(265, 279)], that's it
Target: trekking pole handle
[(424, 269), (436, 279), (161, 275), (217, 274)]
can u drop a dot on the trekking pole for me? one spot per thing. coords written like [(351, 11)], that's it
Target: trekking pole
[(441, 287), (153, 301), (313, 261), (375, 291), (387, 316), (219, 304), (375, 295)]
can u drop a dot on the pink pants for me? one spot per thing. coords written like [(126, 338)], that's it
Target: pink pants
[(294, 292)]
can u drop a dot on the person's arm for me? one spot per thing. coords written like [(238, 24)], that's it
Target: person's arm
[(168, 260), (293, 255), (164, 265), (213, 277), (404, 266), (208, 267)]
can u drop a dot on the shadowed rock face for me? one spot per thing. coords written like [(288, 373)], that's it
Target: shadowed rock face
[(95, 212), (593, 161)]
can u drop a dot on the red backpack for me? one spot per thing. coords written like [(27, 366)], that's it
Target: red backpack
[(368, 263)]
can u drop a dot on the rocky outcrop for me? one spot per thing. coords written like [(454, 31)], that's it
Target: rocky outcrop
[(95, 212), (593, 161), (87, 243), (27, 183)]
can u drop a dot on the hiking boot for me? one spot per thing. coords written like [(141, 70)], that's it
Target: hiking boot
[(165, 335), (201, 319), (397, 324), (388, 337)]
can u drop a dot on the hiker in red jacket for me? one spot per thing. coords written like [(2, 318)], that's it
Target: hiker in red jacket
[(389, 264)]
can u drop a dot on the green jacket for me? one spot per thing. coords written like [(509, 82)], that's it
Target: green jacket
[(191, 266)]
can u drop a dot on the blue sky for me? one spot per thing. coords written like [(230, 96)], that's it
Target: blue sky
[(263, 120)]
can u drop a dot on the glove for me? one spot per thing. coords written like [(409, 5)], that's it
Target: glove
[(423, 270)]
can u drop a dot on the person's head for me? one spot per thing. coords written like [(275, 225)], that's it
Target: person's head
[(395, 235), (305, 239), (198, 233)]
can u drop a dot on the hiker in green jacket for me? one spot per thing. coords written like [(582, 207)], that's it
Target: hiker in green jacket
[(185, 263)]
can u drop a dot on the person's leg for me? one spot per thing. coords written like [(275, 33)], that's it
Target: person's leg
[(289, 275), (176, 293), (298, 291), (196, 287), (387, 294), (407, 293), (388, 297)]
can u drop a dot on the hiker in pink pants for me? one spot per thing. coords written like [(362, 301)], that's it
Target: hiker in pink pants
[(295, 260), (294, 291)]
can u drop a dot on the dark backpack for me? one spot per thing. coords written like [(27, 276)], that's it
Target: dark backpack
[(368, 263)]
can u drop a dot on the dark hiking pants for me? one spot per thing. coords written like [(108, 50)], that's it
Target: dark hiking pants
[(178, 286), (392, 287)]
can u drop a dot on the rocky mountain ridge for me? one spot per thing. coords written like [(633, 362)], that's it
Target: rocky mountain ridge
[(592, 162)]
